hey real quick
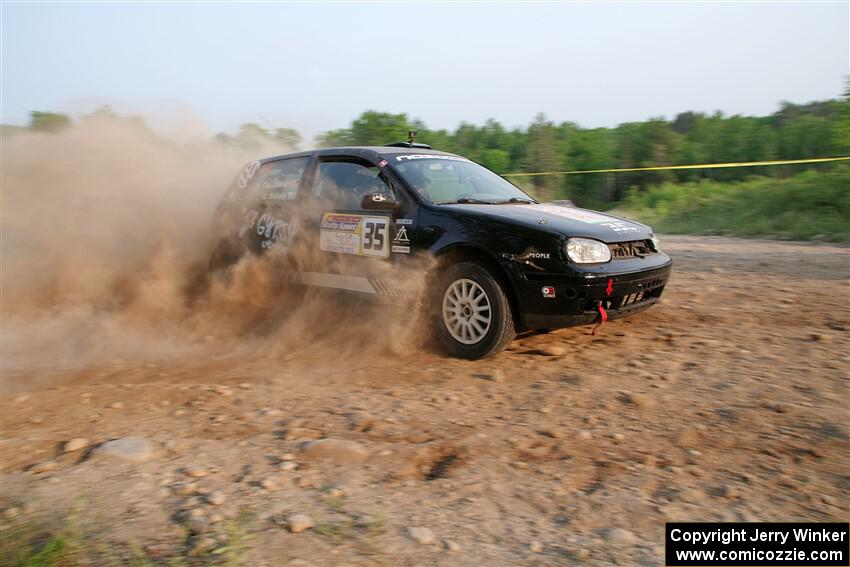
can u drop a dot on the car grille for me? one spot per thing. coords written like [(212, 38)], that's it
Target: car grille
[(633, 249)]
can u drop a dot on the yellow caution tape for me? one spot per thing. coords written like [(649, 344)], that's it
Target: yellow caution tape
[(691, 166)]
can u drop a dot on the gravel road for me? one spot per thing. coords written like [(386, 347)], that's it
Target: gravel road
[(728, 401)]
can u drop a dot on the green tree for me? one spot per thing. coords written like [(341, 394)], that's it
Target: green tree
[(841, 126), (816, 129), (543, 156), (252, 136), (379, 128), (335, 138), (288, 137), (48, 121), (497, 160)]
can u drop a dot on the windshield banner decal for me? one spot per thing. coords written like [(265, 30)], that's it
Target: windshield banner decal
[(586, 216)]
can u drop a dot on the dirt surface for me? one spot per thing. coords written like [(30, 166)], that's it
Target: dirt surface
[(727, 401)]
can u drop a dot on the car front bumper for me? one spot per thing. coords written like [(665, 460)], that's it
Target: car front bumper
[(577, 298)]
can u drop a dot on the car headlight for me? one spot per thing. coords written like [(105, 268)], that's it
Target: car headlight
[(656, 243), (587, 251)]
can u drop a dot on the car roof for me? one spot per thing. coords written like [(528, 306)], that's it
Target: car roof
[(362, 151)]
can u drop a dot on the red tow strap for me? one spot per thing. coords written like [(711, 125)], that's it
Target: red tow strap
[(603, 315)]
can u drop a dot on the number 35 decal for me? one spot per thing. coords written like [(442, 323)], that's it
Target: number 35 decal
[(375, 242)]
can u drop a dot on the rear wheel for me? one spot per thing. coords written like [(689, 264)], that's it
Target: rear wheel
[(473, 313)]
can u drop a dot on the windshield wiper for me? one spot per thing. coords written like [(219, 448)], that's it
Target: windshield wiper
[(520, 200), (465, 201)]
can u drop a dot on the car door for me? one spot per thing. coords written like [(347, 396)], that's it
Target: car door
[(353, 240), (271, 221)]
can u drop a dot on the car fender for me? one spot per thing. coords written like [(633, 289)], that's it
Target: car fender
[(461, 251)]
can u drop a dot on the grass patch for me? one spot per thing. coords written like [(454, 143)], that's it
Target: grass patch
[(337, 533), (65, 544), (238, 536), (41, 552), (351, 528), (335, 503), (27, 544), (809, 205)]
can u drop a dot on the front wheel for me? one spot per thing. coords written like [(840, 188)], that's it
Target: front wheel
[(473, 318)]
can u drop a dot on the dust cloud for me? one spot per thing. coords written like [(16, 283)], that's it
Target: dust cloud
[(106, 237)]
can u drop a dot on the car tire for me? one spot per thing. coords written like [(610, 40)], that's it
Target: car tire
[(473, 313)]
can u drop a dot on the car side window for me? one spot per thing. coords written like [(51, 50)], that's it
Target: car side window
[(278, 180), (342, 184)]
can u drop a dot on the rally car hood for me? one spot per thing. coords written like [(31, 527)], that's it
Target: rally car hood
[(566, 220)]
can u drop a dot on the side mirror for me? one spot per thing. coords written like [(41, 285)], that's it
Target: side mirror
[(380, 202)]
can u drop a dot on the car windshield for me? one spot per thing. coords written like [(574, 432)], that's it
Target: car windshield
[(449, 179)]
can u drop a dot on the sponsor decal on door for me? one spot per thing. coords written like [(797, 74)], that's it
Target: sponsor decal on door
[(401, 242), (355, 234)]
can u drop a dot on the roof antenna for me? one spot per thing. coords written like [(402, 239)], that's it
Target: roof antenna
[(266, 121), (411, 138)]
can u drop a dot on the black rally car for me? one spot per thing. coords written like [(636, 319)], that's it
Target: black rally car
[(506, 263)]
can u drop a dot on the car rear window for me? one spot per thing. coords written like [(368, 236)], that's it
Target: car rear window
[(278, 180)]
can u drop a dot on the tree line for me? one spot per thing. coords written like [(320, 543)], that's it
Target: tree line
[(794, 131)]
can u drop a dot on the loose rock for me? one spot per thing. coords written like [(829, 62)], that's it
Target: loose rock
[(75, 444), (299, 523), (422, 536), (618, 535), (134, 449), (552, 350), (535, 547), (778, 407), (361, 421), (215, 498), (200, 545), (727, 491), (185, 488), (44, 467), (638, 400), (196, 472), (197, 524)]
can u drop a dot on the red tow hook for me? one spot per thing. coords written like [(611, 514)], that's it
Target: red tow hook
[(603, 315)]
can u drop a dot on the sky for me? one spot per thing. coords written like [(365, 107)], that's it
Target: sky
[(316, 66)]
